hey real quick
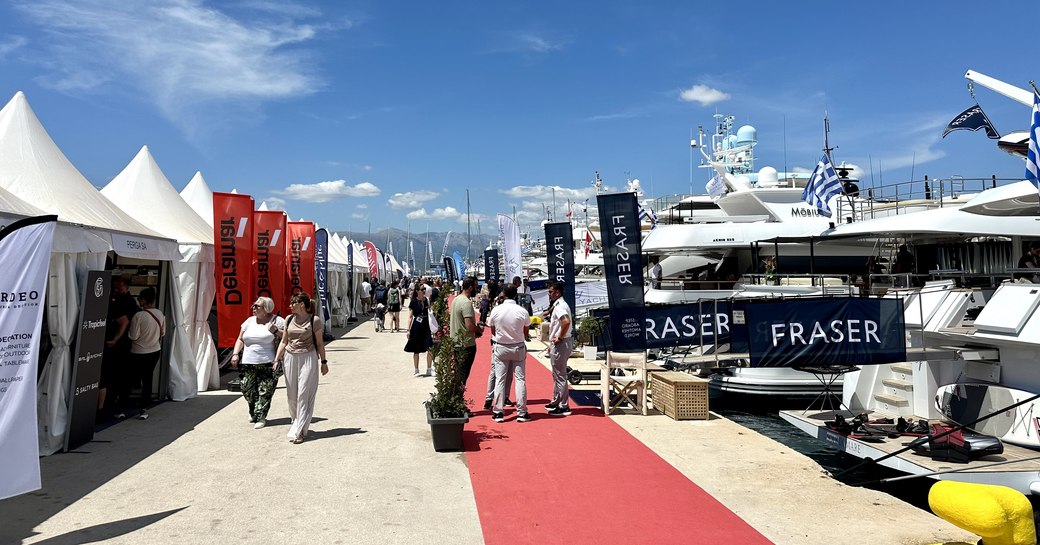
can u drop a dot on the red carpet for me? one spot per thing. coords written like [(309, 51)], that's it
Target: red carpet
[(580, 479)]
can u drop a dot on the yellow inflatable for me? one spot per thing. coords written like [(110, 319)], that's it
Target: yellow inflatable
[(998, 514)]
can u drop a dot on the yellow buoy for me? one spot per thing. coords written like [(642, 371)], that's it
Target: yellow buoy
[(998, 514)]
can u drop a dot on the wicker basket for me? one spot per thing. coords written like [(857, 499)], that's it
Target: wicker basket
[(681, 396)]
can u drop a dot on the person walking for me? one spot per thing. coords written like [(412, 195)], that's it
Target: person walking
[(147, 328), (463, 322), (420, 339), (301, 351), (115, 358), (509, 331), (254, 350), (560, 348), (366, 297), (393, 306)]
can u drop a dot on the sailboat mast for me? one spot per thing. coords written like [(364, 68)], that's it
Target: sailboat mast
[(469, 235)]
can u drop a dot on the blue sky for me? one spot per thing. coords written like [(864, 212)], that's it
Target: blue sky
[(358, 113)]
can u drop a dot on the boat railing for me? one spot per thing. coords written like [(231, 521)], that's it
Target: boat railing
[(795, 279), (902, 196)]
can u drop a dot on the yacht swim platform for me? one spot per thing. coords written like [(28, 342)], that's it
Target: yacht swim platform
[(1019, 468)]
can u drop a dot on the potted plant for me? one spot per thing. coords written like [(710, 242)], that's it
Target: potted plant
[(770, 270), (589, 328), (446, 408)]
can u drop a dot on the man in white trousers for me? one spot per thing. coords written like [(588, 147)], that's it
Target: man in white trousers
[(509, 329), (562, 344)]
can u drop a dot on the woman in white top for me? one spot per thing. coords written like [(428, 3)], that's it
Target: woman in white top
[(302, 349), (254, 350), (146, 331)]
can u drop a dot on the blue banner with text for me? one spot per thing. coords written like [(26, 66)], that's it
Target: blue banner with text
[(559, 250), (824, 332), (620, 235)]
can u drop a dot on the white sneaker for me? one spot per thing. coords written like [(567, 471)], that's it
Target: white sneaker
[(259, 424), (429, 372), (143, 415), (416, 373)]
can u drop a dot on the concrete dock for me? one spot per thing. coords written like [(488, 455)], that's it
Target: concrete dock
[(197, 472)]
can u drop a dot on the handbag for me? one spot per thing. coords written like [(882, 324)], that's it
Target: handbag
[(434, 326)]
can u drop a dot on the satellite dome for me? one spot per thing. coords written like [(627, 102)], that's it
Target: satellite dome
[(767, 177), (747, 135), (742, 182)]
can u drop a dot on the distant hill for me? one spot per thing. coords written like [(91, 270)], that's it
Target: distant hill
[(399, 240)]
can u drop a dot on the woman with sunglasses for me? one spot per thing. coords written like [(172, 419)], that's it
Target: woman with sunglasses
[(302, 349), (254, 350)]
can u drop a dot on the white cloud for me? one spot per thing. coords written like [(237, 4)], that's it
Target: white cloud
[(546, 193), (328, 191), (703, 94), (11, 44), (359, 216), (362, 206), (447, 212), (474, 218), (411, 199), (274, 203), (530, 42), (182, 55)]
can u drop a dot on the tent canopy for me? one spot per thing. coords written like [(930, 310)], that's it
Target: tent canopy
[(199, 197)]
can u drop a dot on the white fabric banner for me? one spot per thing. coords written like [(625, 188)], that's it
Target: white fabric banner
[(22, 288), (509, 233)]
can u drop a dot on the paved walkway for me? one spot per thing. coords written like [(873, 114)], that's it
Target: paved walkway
[(197, 472)]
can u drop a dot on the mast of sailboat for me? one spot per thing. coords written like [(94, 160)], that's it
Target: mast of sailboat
[(426, 264), (469, 235)]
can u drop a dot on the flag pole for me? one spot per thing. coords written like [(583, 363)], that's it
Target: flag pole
[(827, 151)]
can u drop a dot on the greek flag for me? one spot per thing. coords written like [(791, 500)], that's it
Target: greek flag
[(648, 214), (1033, 156), (823, 184)]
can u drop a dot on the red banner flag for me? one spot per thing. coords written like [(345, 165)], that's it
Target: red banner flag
[(373, 260), (270, 233), (299, 266), (233, 235)]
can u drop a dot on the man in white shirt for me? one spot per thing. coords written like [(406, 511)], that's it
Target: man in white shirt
[(655, 274), (562, 344), (508, 322), (366, 296)]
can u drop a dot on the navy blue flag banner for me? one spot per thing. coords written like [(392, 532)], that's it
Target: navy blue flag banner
[(321, 272), (460, 265), (822, 185), (25, 246), (972, 119), (491, 271), (1033, 155), (704, 324), (449, 270), (350, 276), (559, 244), (620, 236), (86, 372), (823, 332)]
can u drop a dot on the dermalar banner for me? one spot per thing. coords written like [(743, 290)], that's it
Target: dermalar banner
[(86, 372), (823, 332), (559, 244), (321, 272), (27, 243), (233, 238), (620, 235), (300, 265), (509, 234), (269, 228), (491, 271), (373, 260)]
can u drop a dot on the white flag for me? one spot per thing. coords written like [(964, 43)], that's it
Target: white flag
[(28, 243), (715, 187), (509, 233)]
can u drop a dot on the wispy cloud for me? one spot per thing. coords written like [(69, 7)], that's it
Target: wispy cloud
[(328, 191), (411, 199), (530, 42), (181, 54), (359, 216), (11, 44), (447, 212), (274, 203), (463, 218), (361, 206), (702, 94), (546, 193), (611, 117)]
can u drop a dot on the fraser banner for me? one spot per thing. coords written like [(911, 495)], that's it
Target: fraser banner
[(27, 243), (299, 266), (620, 235), (450, 271), (559, 244), (233, 238), (820, 332), (269, 228), (491, 265), (701, 324)]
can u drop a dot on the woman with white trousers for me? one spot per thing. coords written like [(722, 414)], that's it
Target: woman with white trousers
[(302, 351)]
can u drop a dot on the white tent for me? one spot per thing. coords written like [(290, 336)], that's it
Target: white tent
[(199, 197), (144, 192), (33, 169)]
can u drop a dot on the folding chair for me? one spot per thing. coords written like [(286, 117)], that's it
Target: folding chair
[(616, 389)]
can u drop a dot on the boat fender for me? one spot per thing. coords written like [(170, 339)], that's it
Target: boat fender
[(998, 514)]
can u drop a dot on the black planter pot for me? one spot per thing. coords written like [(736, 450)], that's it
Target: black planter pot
[(447, 432)]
